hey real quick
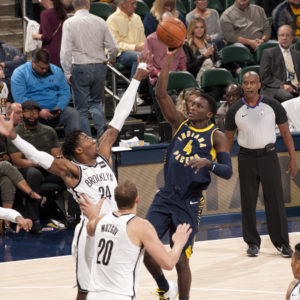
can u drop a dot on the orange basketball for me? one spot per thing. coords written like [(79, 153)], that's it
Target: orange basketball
[(171, 31)]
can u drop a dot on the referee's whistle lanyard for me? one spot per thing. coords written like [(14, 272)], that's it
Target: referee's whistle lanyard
[(256, 104)]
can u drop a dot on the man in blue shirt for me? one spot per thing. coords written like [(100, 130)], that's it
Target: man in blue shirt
[(46, 84)]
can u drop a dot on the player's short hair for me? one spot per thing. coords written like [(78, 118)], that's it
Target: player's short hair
[(125, 194), (297, 252), (70, 144), (211, 102)]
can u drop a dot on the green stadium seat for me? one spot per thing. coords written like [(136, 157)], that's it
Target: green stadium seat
[(216, 77), (101, 9), (141, 9), (260, 49)]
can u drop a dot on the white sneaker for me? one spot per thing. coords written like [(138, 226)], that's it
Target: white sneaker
[(139, 101), (171, 294)]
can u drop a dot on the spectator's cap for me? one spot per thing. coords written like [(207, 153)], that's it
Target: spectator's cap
[(31, 104)]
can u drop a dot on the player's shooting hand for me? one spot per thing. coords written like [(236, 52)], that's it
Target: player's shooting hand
[(197, 163), (89, 209), (182, 234), (7, 126), (26, 224), (141, 73)]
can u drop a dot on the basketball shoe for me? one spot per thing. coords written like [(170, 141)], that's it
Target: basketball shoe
[(170, 294)]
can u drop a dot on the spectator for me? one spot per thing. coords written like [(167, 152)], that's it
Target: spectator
[(10, 59), (158, 8), (50, 32), (280, 69), (233, 93), (10, 178), (254, 118), (45, 83), (293, 291), (128, 31), (212, 21), (15, 108), (159, 51), (201, 54), (43, 138), (246, 24), (287, 13), (85, 38), (3, 93)]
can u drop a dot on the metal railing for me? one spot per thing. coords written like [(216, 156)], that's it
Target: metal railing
[(115, 73), (25, 20)]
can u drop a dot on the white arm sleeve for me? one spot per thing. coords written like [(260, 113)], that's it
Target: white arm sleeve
[(124, 107), (41, 158), (9, 214)]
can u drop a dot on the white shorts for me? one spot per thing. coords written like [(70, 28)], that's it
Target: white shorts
[(82, 251), (107, 296)]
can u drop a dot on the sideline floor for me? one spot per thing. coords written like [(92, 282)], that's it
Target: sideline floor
[(220, 268)]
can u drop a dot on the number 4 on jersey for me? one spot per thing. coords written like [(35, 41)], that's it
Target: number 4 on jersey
[(188, 147)]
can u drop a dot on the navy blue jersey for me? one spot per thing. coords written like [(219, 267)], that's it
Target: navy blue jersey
[(189, 143)]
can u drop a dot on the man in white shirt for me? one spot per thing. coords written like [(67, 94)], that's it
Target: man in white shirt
[(85, 38)]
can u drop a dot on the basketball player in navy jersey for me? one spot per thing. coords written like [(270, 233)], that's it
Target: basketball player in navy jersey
[(89, 171), (196, 144)]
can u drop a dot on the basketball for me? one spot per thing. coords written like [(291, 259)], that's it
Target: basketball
[(171, 31)]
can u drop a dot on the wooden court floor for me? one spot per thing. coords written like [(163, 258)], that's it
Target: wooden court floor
[(221, 270)]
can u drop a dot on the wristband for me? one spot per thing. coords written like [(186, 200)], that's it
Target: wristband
[(142, 65)]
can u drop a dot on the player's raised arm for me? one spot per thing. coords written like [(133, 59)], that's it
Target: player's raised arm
[(124, 107), (166, 104), (60, 167)]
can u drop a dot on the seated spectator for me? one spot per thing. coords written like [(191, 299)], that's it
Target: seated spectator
[(212, 21), (233, 93), (158, 8), (287, 13), (15, 108), (44, 138), (46, 84), (3, 93), (159, 51), (293, 291), (201, 54), (10, 178), (50, 32), (10, 59), (280, 69), (128, 31), (246, 24)]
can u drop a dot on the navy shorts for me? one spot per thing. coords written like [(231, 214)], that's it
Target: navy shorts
[(169, 209)]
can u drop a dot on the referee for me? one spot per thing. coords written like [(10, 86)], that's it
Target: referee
[(254, 117)]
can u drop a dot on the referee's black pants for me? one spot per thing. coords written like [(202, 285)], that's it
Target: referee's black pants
[(253, 169)]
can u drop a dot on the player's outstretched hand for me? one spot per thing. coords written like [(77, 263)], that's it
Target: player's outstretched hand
[(142, 72), (26, 224), (182, 234), (7, 126), (197, 163), (89, 209)]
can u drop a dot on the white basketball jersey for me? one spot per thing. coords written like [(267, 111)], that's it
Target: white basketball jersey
[(97, 181), (117, 261), (295, 293)]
